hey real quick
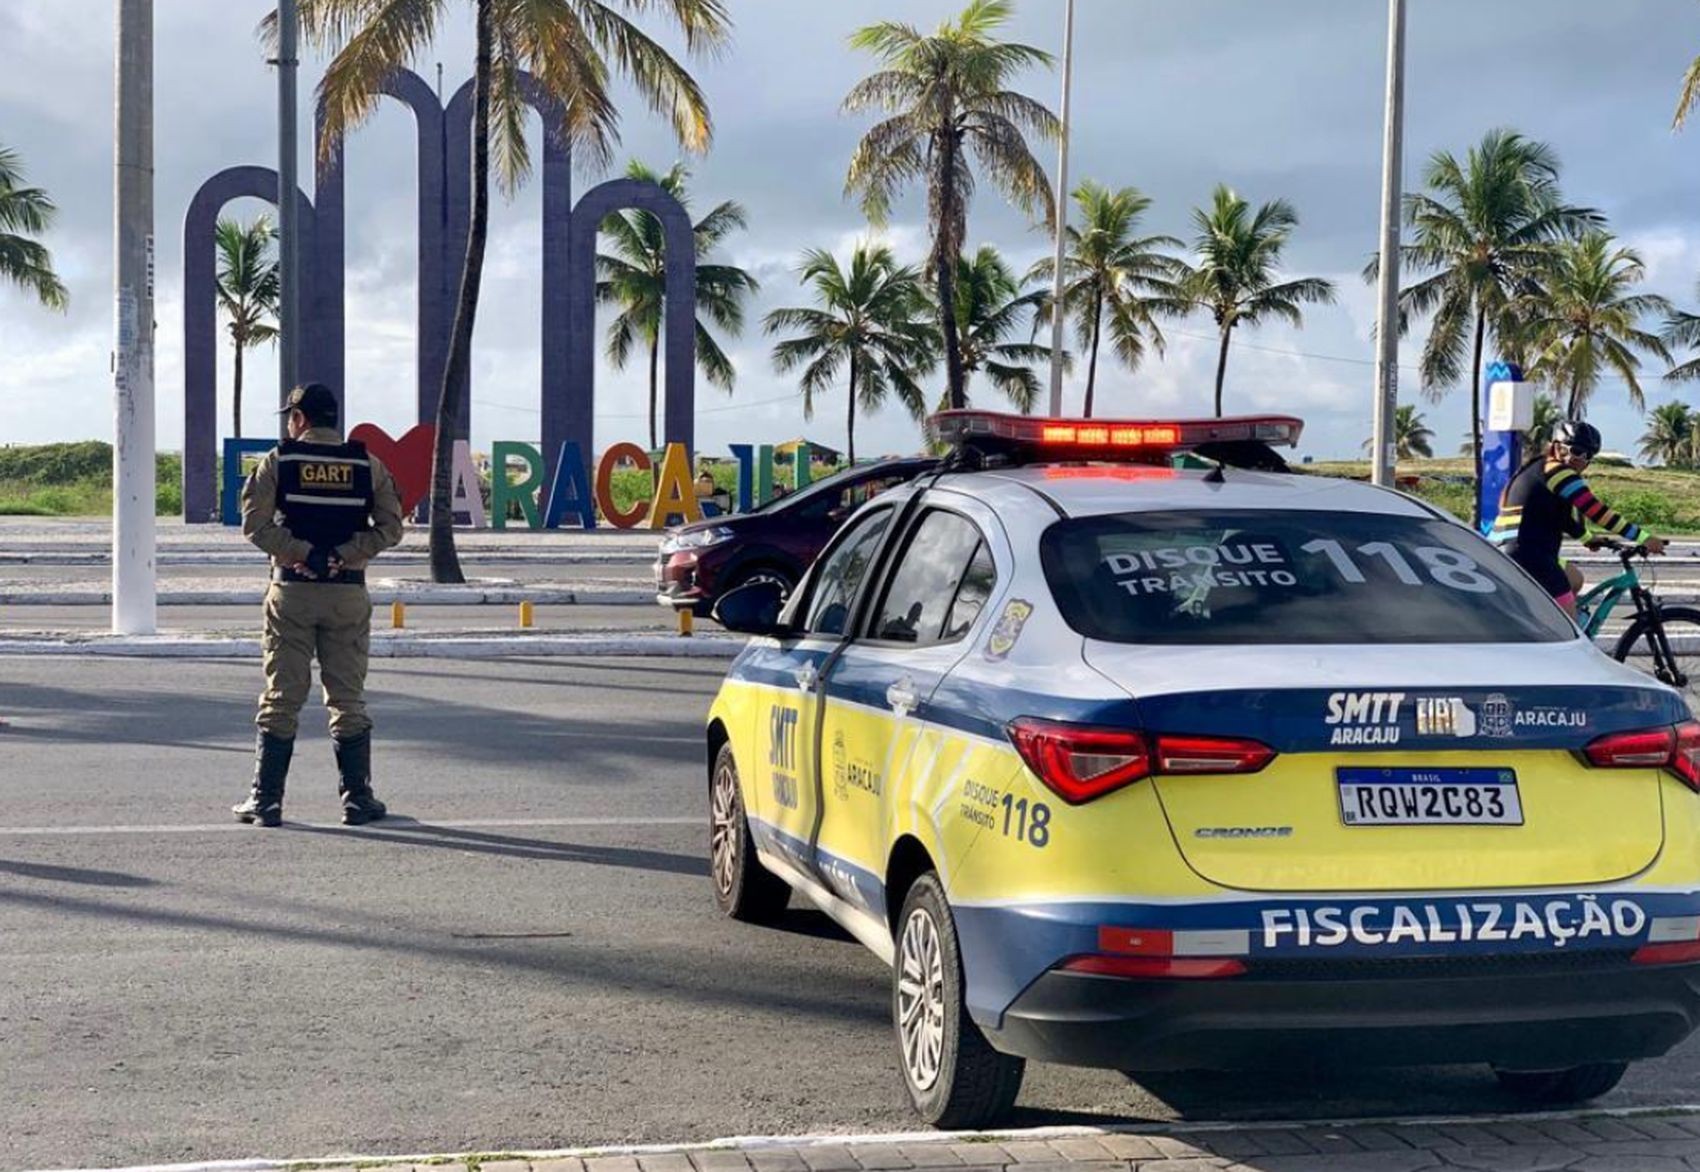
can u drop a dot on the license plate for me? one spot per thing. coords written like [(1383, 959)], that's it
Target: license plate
[(1429, 797)]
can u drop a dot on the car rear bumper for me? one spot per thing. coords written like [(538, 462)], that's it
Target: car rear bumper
[(1514, 1017)]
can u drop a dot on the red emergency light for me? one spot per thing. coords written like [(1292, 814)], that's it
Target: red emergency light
[(1108, 439)]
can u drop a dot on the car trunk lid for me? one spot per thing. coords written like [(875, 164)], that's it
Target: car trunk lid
[(1334, 810)]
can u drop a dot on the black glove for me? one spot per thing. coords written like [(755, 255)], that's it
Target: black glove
[(319, 562)]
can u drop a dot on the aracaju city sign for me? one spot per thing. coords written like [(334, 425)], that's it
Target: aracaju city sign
[(577, 497)]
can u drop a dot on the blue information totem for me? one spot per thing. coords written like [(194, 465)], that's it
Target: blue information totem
[(1510, 413)]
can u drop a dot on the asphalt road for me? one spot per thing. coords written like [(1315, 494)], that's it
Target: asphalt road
[(530, 958)]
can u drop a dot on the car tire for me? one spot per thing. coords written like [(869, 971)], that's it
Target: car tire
[(1578, 1084), (743, 888), (954, 1077)]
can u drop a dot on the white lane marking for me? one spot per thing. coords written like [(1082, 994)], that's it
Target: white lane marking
[(397, 829), (821, 1139)]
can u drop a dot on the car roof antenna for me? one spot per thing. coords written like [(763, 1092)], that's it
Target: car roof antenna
[(1217, 475)]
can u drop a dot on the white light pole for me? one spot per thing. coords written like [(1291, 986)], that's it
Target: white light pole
[(289, 231), (133, 533), (1384, 445), (1057, 317)]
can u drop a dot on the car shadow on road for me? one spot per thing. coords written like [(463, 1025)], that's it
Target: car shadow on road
[(81, 876), (812, 924), (1289, 1094), (410, 832), (720, 980)]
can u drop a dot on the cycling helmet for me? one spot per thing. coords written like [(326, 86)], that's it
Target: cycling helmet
[(1583, 439)]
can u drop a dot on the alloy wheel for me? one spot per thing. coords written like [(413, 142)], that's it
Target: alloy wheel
[(921, 999), (725, 833)]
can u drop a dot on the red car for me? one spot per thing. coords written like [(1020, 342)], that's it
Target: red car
[(774, 543)]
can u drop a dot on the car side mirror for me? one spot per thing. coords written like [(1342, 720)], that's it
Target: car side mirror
[(752, 609)]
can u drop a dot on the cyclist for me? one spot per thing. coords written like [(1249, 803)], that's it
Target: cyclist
[(1547, 501)]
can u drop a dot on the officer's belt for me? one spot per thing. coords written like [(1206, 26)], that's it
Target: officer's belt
[(346, 578)]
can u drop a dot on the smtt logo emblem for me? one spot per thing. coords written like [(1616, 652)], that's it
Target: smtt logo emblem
[(1364, 718), (782, 743)]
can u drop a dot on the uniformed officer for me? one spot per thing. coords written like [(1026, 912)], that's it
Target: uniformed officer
[(322, 509)]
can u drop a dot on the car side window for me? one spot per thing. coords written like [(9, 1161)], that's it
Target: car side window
[(972, 595), (841, 575), (922, 593)]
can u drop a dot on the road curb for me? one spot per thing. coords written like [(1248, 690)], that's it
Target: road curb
[(381, 596), (1189, 1146), (388, 647)]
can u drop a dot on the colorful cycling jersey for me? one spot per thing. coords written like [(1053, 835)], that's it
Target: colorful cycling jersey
[(1547, 501)]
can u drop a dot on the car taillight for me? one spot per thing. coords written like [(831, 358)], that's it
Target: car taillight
[(1151, 953), (1154, 967), (1211, 755), (1080, 763), (1670, 940), (1674, 748)]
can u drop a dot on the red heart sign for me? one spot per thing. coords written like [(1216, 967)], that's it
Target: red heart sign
[(407, 458)]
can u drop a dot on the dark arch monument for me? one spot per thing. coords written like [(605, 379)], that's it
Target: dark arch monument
[(568, 258)]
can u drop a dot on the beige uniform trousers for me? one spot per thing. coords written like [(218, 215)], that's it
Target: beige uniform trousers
[(305, 620)]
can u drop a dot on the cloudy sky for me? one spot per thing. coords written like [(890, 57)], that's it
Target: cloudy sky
[(1275, 97)]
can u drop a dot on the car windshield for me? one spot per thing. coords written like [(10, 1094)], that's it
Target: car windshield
[(1217, 579)]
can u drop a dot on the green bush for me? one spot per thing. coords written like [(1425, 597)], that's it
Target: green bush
[(1653, 509), (49, 464)]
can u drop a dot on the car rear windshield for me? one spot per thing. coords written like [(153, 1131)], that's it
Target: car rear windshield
[(1290, 577)]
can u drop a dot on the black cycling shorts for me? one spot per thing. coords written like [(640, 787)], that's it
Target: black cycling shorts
[(1549, 574)]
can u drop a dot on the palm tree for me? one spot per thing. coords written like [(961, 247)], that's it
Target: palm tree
[(1109, 269), (248, 286), (948, 107), (1238, 260), (1670, 435), (574, 49), (1688, 96), (1483, 230), (1412, 436), (991, 308), (1547, 417), (1682, 329), (871, 324), (26, 212), (1584, 320), (634, 277)]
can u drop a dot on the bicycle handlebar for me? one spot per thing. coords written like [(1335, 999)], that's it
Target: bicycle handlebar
[(1623, 549)]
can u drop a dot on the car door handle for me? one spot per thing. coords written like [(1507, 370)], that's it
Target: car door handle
[(805, 676), (902, 698)]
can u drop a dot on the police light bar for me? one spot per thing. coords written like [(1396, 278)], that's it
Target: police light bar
[(1083, 439)]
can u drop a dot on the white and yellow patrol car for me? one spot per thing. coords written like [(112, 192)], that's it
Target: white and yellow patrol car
[(1124, 765)]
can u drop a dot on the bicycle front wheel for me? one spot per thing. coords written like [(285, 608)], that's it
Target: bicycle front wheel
[(1640, 647)]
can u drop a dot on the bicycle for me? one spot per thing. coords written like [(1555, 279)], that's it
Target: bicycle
[(1667, 635)]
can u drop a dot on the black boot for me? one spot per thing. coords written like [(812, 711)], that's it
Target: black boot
[(264, 806), (354, 762)]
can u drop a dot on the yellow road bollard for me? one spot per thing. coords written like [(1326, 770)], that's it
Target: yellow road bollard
[(527, 615), (398, 614), (686, 621)]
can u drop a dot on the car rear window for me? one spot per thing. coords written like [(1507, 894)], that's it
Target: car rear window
[(1290, 577)]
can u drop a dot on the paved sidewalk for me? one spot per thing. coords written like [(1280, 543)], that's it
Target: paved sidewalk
[(1656, 1141)]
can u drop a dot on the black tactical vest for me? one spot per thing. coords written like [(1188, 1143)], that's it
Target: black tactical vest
[(324, 491)]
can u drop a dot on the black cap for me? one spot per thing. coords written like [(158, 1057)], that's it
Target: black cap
[(315, 400)]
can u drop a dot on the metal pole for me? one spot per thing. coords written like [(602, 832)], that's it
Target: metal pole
[(133, 532), (289, 238), (1387, 328), (1057, 315)]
